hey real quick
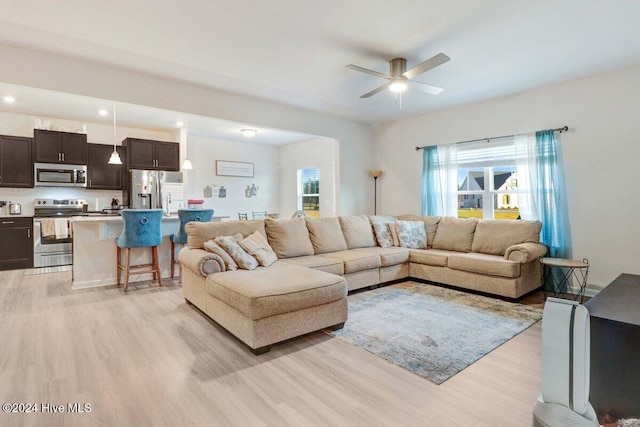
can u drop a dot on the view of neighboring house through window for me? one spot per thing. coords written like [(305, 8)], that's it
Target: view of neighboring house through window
[(487, 181), (309, 191)]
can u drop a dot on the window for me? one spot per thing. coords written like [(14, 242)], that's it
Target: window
[(309, 191), (487, 180)]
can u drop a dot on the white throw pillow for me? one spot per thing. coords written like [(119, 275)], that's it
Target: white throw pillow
[(259, 248), (381, 231), (213, 247), (412, 234), (231, 246)]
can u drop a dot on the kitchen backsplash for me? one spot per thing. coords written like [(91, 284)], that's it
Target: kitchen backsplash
[(96, 199)]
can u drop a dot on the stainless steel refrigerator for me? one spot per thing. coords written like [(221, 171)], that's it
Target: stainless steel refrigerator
[(155, 190)]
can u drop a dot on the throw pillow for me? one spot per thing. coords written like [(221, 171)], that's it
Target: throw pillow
[(231, 246), (213, 247), (381, 231), (393, 232), (259, 248), (412, 234)]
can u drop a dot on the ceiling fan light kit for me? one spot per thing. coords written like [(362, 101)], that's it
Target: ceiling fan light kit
[(399, 76)]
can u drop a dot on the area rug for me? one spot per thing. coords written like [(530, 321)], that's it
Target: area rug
[(46, 270), (432, 331)]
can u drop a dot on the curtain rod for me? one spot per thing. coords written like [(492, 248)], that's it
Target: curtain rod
[(562, 129)]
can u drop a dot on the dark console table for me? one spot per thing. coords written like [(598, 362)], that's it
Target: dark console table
[(615, 349)]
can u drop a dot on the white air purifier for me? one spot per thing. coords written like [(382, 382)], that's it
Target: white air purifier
[(565, 367)]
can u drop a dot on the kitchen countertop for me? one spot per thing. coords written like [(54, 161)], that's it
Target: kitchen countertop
[(112, 218)]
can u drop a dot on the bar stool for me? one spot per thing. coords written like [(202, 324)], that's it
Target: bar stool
[(141, 230), (180, 238)]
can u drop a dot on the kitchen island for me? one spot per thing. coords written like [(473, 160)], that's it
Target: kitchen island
[(94, 250)]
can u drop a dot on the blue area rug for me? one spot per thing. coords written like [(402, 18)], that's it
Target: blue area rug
[(431, 331)]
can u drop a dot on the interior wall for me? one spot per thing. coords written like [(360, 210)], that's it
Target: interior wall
[(601, 152), (25, 67), (204, 152), (315, 153)]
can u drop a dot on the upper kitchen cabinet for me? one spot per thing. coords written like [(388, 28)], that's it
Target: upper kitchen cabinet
[(153, 155), (16, 161), (102, 175), (60, 147)]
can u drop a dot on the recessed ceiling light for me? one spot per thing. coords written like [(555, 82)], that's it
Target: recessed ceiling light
[(249, 132), (179, 124), (9, 99), (103, 113)]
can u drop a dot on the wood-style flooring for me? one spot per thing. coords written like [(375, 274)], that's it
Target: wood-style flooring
[(146, 358)]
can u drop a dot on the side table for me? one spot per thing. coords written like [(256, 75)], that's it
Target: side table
[(568, 268)]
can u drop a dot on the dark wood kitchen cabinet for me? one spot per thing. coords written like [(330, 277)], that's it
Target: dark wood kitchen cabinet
[(16, 161), (60, 147), (152, 155), (16, 250), (102, 175)]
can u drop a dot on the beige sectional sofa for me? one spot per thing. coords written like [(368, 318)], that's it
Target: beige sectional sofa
[(320, 260)]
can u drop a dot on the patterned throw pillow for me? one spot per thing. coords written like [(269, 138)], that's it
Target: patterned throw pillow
[(393, 232), (231, 246), (213, 247), (412, 234), (381, 231), (259, 248)]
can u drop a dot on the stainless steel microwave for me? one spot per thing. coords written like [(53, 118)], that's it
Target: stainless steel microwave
[(55, 175)]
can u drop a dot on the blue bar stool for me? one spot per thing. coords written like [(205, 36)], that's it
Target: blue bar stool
[(180, 238), (141, 230)]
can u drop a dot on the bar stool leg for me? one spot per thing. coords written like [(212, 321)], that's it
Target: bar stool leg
[(127, 254), (173, 259), (118, 266), (156, 264)]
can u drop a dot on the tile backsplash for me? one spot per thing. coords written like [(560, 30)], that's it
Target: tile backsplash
[(96, 199)]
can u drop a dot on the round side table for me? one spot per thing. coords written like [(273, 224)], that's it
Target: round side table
[(568, 268)]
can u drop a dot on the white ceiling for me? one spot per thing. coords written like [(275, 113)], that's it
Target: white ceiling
[(294, 52)]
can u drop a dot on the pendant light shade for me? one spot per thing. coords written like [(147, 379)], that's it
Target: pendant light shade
[(115, 157), (186, 164)]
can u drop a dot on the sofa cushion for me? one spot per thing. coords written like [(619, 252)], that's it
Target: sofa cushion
[(355, 261), (412, 234), (382, 218), (494, 236), (215, 248), (289, 237), (357, 231), (328, 265), (435, 257), (455, 234), (493, 265), (430, 225), (389, 256), (242, 258), (200, 232), (258, 247), (381, 230), (326, 235), (281, 288)]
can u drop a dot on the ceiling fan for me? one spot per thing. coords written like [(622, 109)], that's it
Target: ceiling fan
[(399, 75)]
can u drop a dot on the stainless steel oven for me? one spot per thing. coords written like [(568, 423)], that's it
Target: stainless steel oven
[(55, 175), (52, 235)]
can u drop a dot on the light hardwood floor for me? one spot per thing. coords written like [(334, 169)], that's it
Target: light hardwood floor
[(146, 358)]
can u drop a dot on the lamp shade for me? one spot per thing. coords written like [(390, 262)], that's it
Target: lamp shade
[(375, 173), (115, 158), (186, 165)]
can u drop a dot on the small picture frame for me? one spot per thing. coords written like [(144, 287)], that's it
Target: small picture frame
[(240, 169)]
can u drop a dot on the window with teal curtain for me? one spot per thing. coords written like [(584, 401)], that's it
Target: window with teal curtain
[(431, 183), (550, 195)]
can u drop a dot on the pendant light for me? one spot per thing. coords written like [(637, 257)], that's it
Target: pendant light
[(115, 157), (186, 165)]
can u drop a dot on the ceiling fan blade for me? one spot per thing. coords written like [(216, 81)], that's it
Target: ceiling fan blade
[(364, 70), (427, 65), (373, 92), (433, 90)]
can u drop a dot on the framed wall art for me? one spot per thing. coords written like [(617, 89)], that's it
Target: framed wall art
[(241, 169)]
